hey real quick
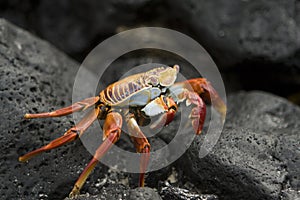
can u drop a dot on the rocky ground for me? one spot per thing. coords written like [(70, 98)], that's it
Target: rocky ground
[(254, 43)]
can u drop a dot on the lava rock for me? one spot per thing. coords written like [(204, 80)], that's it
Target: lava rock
[(115, 191), (244, 29), (75, 26), (144, 193), (257, 155), (170, 192), (36, 77), (110, 191)]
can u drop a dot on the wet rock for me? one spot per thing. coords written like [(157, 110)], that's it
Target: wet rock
[(170, 192), (257, 155)]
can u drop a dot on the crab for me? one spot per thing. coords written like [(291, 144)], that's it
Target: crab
[(139, 96)]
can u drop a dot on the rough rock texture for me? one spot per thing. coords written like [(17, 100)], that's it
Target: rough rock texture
[(257, 155), (170, 192), (245, 29), (119, 192), (35, 77)]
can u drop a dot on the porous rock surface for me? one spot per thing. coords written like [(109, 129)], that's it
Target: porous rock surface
[(36, 77), (257, 155)]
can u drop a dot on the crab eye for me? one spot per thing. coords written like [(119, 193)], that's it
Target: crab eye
[(168, 77)]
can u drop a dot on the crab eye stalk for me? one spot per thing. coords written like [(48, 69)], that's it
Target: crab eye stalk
[(168, 76)]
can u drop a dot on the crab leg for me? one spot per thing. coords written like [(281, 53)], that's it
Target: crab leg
[(198, 113), (141, 144), (203, 88), (78, 106), (112, 130), (69, 136)]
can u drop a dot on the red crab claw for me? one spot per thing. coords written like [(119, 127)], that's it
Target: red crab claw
[(165, 106), (203, 88)]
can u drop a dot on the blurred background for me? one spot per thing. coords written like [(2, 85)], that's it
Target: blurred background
[(255, 44)]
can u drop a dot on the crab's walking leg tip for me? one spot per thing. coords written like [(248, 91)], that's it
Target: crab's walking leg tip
[(74, 193), (23, 159), (27, 116)]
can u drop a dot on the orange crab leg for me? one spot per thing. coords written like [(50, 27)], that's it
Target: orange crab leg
[(69, 136), (142, 146), (78, 106), (112, 130)]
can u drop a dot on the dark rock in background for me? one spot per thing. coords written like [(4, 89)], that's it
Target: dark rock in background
[(257, 155), (74, 26)]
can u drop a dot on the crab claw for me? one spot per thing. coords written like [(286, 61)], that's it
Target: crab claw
[(165, 106), (203, 88)]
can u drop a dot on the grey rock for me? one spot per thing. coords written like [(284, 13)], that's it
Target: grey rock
[(119, 192), (74, 26), (257, 155), (170, 192), (244, 29), (110, 191), (36, 77), (144, 193)]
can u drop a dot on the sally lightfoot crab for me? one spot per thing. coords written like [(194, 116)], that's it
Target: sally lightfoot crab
[(139, 96)]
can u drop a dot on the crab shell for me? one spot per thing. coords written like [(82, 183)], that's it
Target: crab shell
[(139, 89)]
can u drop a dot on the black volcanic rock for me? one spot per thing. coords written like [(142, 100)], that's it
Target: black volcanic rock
[(74, 26), (168, 191), (257, 155), (35, 77), (244, 29)]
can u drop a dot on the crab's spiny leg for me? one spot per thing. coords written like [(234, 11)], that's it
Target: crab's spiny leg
[(141, 144), (112, 130), (69, 136), (78, 106)]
